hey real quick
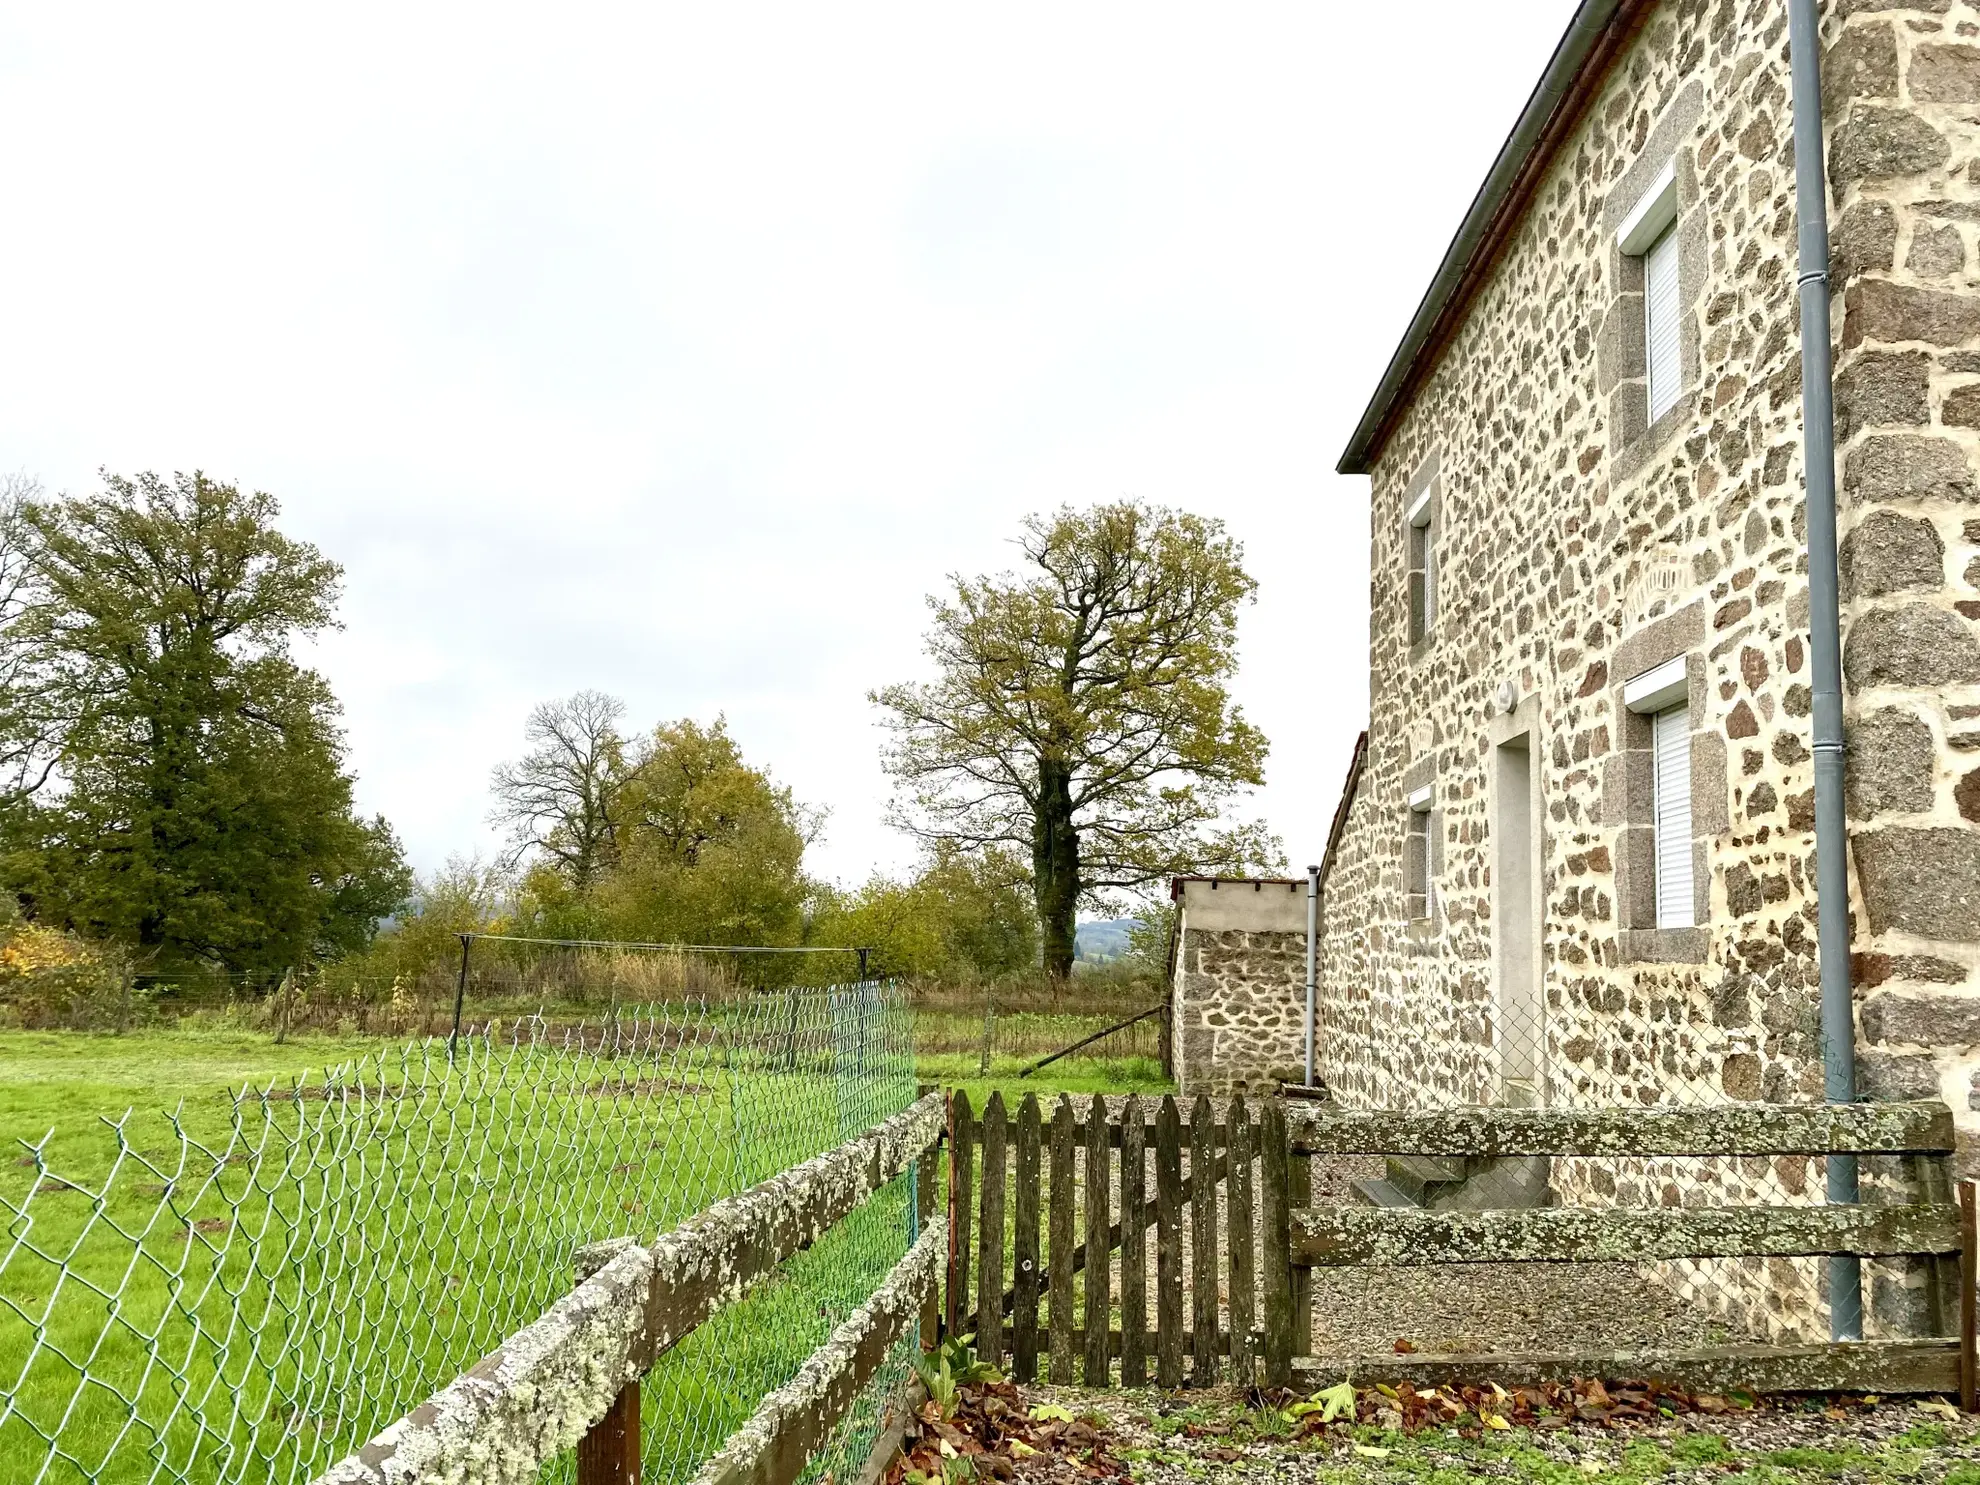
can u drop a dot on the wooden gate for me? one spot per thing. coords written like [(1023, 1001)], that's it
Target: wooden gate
[(1039, 1210), (1214, 1187)]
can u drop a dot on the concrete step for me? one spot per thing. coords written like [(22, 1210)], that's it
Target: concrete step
[(1376, 1192), (1422, 1177)]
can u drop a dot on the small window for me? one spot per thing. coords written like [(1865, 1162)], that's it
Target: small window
[(1422, 579), (1417, 891), (1650, 235), (1660, 322), (1670, 753)]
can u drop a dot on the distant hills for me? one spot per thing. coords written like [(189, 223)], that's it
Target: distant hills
[(1103, 940)]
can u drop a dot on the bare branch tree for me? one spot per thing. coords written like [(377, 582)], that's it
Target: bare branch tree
[(561, 799)]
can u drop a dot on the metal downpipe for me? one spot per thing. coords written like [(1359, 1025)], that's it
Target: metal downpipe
[(1818, 423), (1312, 962)]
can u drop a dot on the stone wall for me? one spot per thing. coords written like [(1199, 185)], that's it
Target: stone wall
[(1905, 168), (1578, 544), (1240, 982)]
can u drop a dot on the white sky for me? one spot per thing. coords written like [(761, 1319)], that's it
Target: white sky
[(678, 350)]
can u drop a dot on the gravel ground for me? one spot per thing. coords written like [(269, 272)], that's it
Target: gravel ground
[(1218, 1434)]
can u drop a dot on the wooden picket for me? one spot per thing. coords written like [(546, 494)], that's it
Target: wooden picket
[(1083, 1177), (1134, 1250), (1099, 1304)]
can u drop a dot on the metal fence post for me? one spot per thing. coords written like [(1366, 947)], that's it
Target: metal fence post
[(460, 995)]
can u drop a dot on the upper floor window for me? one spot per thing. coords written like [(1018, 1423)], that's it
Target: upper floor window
[(1660, 322), (1421, 536), (1650, 233)]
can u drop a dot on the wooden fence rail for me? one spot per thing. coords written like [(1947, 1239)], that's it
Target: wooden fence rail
[(1236, 1245)]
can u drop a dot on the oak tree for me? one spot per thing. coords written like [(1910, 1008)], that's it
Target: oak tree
[(1080, 711), (201, 811)]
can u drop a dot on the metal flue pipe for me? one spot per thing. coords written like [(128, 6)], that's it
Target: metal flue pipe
[(1818, 433)]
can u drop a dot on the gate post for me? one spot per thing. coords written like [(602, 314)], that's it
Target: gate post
[(1275, 1241)]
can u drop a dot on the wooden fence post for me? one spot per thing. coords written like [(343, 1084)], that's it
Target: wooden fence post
[(959, 1204), (1275, 1232), (1237, 1142), (1059, 1263), (1099, 1225), (608, 1454), (1203, 1305), (1134, 1251), (1299, 1196), (1024, 1254), (1168, 1245), (990, 1244), (928, 1170), (1969, 1276)]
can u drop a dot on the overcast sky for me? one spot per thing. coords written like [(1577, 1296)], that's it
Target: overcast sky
[(679, 350)]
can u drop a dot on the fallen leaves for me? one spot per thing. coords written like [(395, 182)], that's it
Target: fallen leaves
[(989, 1434), (1475, 1410)]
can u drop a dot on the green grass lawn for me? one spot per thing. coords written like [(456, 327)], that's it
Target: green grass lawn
[(253, 1286)]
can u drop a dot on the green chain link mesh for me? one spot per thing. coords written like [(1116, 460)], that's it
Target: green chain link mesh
[(253, 1298)]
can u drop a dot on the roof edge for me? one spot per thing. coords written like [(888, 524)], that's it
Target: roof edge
[(1590, 43)]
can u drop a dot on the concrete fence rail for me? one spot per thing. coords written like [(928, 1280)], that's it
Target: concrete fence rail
[(572, 1377)]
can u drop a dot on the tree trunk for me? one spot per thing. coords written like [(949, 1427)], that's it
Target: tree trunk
[(1055, 868)]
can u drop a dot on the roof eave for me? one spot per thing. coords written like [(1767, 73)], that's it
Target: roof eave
[(1592, 40)]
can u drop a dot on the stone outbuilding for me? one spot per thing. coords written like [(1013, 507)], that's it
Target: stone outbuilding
[(1238, 985)]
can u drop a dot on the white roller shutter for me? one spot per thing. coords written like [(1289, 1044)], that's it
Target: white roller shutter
[(1660, 321), (1670, 747)]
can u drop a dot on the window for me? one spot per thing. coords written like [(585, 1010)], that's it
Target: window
[(1419, 897), (1661, 697), (1650, 234), (1422, 583), (1670, 752), (1660, 322)]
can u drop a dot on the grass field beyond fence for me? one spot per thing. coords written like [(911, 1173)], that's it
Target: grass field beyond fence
[(250, 1288)]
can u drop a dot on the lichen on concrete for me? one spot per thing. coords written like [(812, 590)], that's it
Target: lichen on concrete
[(550, 1382), (778, 1440), (527, 1403)]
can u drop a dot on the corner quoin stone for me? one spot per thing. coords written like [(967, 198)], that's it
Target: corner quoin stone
[(1892, 1077), (1908, 466), (1888, 553), (1925, 882), (1928, 1018), (1889, 760), (1945, 74), (1916, 645), (1879, 143)]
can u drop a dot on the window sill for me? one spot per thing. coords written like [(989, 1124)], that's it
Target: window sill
[(1638, 451), (1664, 945)]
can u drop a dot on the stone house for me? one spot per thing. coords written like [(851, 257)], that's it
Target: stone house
[(1576, 863)]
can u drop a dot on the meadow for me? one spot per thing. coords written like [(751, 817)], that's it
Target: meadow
[(227, 1263), (229, 1285)]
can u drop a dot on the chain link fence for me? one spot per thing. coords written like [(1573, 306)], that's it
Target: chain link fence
[(248, 1292)]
